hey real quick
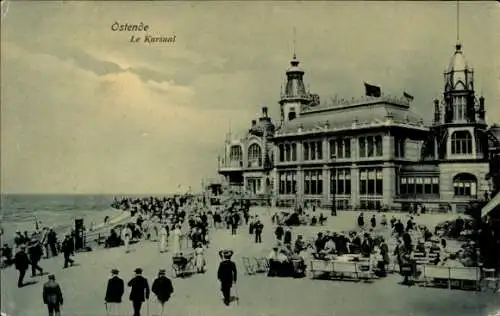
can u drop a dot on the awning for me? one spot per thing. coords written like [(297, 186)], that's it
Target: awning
[(492, 204)]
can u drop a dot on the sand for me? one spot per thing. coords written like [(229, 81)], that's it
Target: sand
[(84, 285)]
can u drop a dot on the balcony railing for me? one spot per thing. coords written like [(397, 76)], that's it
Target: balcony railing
[(231, 164)]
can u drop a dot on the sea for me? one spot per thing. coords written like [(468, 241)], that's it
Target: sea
[(21, 211)]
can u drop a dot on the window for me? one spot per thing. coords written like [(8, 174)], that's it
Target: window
[(418, 185), (236, 153), (313, 150), (282, 152), (254, 156), (294, 152), (459, 108), (378, 146), (399, 147), (362, 147), (379, 183), (465, 184), (288, 152), (370, 146), (461, 143), (313, 182), (291, 116), (347, 148), (333, 149), (403, 188), (340, 181), (371, 181), (288, 182)]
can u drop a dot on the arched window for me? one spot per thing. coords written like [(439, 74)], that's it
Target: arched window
[(291, 116), (461, 143), (254, 156), (235, 153), (465, 184)]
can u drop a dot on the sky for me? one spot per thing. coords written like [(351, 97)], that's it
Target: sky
[(84, 110)]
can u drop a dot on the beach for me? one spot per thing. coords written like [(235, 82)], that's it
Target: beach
[(84, 285)]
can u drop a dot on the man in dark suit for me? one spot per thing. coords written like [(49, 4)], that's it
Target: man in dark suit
[(227, 274), (114, 293), (22, 263), (139, 292), (163, 289)]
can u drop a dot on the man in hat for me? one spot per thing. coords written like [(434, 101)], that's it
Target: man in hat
[(35, 252), (52, 296), (21, 262), (139, 291), (163, 289), (227, 275), (114, 293), (67, 248)]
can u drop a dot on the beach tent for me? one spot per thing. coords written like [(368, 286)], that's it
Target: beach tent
[(493, 204)]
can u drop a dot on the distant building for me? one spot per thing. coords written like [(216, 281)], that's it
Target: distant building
[(374, 152)]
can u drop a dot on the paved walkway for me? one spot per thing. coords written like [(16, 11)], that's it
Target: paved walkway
[(84, 286)]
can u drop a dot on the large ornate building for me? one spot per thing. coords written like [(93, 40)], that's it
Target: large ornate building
[(367, 153)]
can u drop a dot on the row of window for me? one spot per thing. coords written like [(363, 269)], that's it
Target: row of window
[(371, 181), (340, 148), (288, 182), (313, 150), (287, 152), (459, 108), (313, 182), (410, 185), (340, 181), (370, 146)]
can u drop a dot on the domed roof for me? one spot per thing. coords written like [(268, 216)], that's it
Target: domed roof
[(458, 61), (294, 65)]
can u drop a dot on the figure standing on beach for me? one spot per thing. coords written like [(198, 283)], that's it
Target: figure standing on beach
[(200, 261), (52, 241), (126, 235), (114, 293), (52, 296), (21, 262), (176, 239), (139, 292), (163, 239), (226, 274), (163, 289)]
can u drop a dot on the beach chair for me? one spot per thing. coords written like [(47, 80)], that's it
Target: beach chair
[(437, 275), (464, 276)]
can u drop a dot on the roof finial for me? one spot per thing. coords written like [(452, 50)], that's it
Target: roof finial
[(294, 42), (458, 25)]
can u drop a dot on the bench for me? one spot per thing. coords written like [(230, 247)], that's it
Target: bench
[(343, 269), (453, 276)]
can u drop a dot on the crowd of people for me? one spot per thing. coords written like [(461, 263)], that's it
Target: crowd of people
[(182, 224)]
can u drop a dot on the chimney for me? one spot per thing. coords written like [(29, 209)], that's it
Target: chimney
[(437, 112), (254, 122), (264, 111)]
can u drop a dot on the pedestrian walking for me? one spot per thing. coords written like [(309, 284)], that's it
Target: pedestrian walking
[(373, 221), (22, 263), (227, 275), (52, 296), (162, 287), (35, 252), (139, 292), (68, 249), (258, 227), (114, 293)]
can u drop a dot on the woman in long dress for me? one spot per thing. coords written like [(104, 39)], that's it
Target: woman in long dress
[(176, 239), (200, 258), (163, 239)]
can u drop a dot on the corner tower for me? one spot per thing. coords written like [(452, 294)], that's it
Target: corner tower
[(294, 97)]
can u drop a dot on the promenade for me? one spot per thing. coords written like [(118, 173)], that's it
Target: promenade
[(84, 285)]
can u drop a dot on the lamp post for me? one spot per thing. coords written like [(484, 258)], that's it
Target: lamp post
[(334, 187)]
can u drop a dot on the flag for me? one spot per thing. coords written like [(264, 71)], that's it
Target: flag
[(408, 96), (372, 91)]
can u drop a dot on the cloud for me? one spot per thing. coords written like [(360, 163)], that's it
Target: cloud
[(85, 110)]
